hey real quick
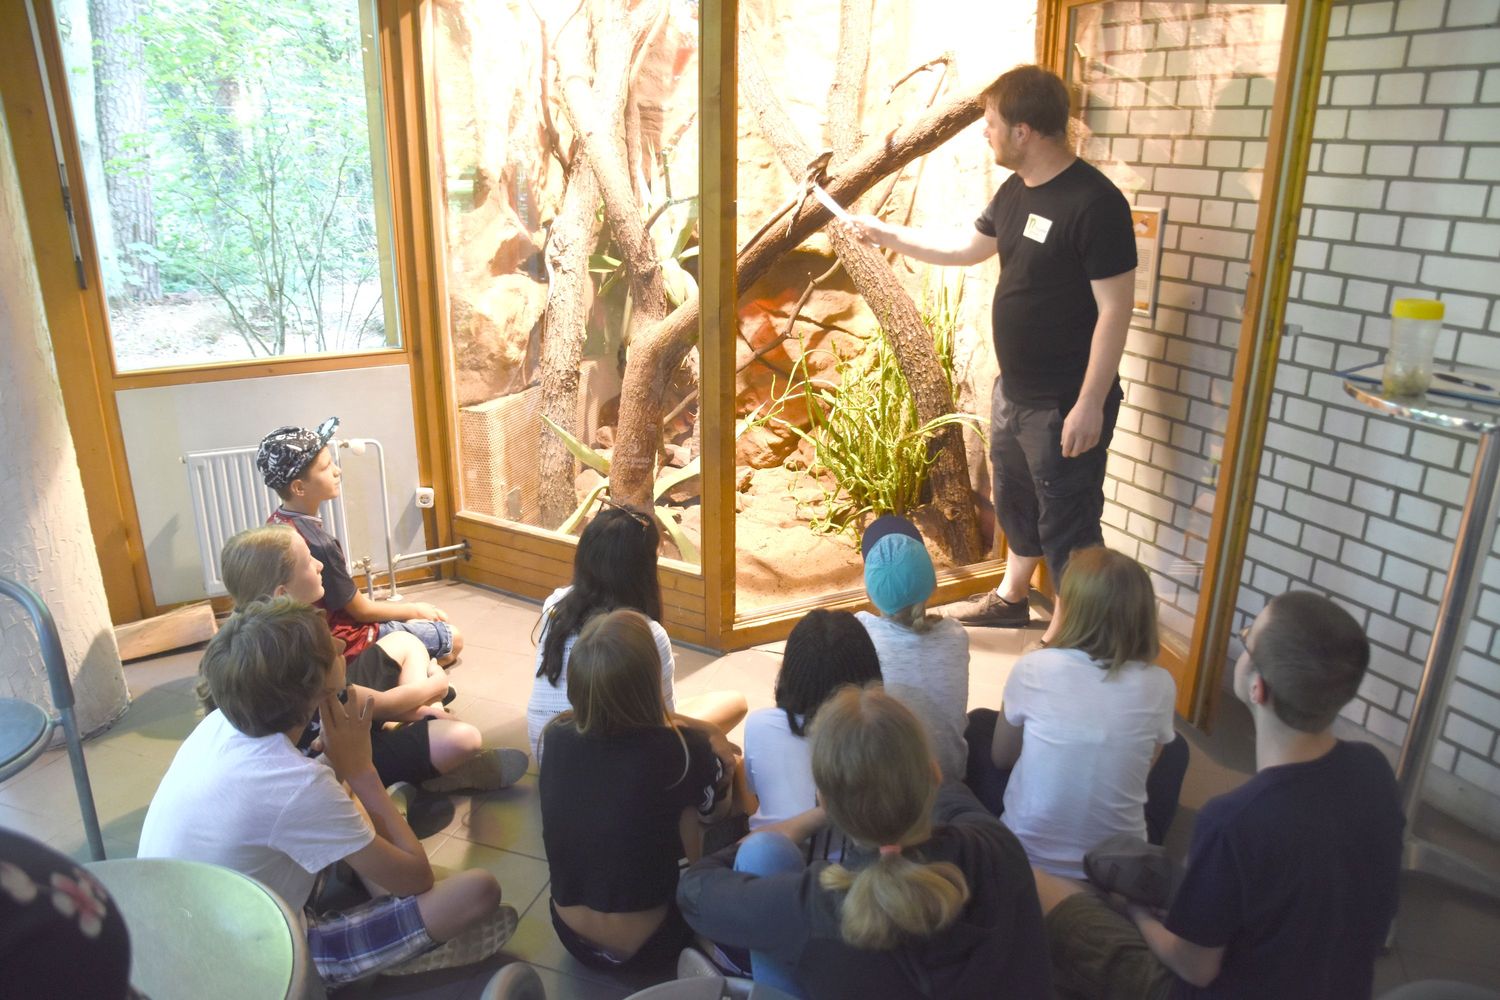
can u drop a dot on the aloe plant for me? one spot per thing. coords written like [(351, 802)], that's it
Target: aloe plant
[(667, 479), (864, 430)]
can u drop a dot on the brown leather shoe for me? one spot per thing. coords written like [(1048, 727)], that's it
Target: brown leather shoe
[(990, 610)]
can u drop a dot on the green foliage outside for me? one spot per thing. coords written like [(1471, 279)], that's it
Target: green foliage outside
[(864, 430), (260, 161)]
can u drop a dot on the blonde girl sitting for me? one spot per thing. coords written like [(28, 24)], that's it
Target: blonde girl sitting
[(1082, 722), (435, 751), (934, 898)]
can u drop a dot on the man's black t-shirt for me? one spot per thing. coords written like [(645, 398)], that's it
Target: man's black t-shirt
[(1053, 240), (611, 808), (1294, 873)]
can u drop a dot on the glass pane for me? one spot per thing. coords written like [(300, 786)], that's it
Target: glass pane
[(234, 167), (830, 442), (542, 310), (1176, 103)]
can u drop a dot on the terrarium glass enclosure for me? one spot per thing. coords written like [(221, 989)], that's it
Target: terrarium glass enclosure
[(568, 143), (850, 382)]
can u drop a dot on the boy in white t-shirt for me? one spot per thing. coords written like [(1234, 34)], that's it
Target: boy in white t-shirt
[(239, 794)]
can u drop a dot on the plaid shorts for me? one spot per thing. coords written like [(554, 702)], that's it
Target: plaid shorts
[(349, 944), (435, 635), (1099, 953)]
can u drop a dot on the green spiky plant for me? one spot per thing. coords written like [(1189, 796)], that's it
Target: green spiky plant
[(666, 481), (864, 430)]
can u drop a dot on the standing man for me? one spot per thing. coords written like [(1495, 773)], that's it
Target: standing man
[(1062, 309)]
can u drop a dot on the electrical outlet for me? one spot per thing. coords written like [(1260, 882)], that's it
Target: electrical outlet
[(424, 496)]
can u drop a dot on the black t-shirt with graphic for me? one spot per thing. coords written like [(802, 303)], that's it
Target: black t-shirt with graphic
[(1053, 240)]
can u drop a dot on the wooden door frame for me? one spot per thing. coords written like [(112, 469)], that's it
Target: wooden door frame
[(1289, 137), (77, 317)]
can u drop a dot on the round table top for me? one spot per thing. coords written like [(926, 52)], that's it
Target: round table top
[(22, 724), (202, 931)]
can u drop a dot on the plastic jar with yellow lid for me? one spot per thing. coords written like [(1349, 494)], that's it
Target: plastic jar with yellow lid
[(1415, 324)]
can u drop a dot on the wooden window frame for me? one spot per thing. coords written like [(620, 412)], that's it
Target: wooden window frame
[(78, 319)]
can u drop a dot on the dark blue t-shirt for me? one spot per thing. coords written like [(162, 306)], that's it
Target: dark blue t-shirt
[(1295, 873)]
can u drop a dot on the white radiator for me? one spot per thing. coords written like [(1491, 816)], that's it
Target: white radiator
[(229, 496)]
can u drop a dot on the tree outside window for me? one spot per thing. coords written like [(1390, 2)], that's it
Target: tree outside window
[(228, 151)]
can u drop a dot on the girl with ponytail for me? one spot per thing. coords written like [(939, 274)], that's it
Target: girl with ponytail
[(933, 898)]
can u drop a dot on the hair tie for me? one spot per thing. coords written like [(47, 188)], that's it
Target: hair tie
[(886, 849)]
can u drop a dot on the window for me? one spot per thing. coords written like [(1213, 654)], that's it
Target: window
[(236, 176)]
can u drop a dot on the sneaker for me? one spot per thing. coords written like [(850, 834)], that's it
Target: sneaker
[(473, 945), (1139, 871), (402, 793), (486, 771), (693, 964), (990, 609)]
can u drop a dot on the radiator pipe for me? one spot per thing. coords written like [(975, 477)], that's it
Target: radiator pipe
[(357, 446)]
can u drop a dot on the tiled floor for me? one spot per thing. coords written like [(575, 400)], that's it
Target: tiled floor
[(1441, 932)]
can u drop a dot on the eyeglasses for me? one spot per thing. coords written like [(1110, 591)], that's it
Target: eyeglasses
[(1245, 640), (642, 519)]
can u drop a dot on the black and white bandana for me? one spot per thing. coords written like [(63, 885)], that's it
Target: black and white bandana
[(286, 451)]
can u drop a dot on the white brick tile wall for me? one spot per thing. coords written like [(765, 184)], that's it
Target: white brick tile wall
[(1440, 162), (1401, 88), (1425, 234), (1436, 198), (1476, 12), (1470, 124), (1403, 199), (1452, 88), (1447, 49), (1364, 53), (1479, 239), (1423, 125)]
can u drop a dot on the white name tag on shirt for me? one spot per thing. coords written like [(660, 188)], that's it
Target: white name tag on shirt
[(1037, 228)]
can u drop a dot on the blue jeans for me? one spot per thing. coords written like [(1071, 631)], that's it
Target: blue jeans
[(435, 635), (770, 854)]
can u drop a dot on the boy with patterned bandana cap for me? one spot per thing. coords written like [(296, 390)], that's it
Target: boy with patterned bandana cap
[(298, 465)]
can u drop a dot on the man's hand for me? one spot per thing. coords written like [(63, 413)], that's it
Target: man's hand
[(1081, 427), (868, 229), (346, 737), (431, 612)]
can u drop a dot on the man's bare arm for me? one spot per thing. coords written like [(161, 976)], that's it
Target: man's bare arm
[(956, 247), (1115, 297)]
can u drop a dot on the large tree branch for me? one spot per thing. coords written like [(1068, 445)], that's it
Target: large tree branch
[(909, 336), (656, 352), (596, 139)]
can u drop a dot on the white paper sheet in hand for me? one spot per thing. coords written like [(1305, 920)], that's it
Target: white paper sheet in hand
[(826, 200)]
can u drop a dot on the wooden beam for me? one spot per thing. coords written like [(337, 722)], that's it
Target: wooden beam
[(718, 316), (185, 626)]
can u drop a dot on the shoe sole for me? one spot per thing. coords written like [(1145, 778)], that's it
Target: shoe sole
[(474, 945), (1145, 877), (486, 771)]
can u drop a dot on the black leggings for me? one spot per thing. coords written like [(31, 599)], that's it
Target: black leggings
[(1163, 782), (659, 952)]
